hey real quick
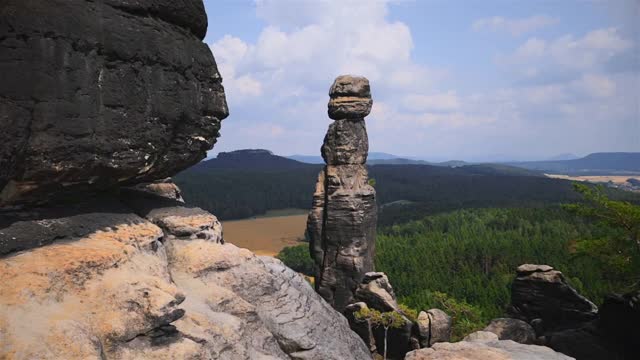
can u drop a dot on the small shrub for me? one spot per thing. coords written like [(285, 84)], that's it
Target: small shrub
[(297, 258)]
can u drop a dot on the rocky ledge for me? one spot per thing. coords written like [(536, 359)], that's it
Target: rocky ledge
[(146, 277), (484, 345)]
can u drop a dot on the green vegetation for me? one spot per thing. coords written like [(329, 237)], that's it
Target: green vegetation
[(297, 258), (388, 320), (463, 262), (619, 257), (417, 190)]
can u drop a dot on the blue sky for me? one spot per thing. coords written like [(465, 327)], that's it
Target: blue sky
[(474, 80)]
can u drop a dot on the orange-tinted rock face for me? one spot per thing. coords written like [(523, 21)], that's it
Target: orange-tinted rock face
[(157, 285)]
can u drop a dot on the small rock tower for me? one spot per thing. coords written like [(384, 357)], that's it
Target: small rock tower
[(342, 222)]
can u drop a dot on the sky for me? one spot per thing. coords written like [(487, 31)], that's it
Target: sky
[(477, 80)]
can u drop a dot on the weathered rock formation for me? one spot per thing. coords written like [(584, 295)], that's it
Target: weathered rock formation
[(541, 292), (484, 345), (100, 93), (512, 329), (571, 324), (153, 280), (375, 292), (433, 326), (342, 223), (97, 94)]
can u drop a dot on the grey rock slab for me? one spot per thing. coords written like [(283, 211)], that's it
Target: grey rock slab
[(486, 348)]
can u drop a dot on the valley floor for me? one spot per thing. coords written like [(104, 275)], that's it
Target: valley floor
[(269, 234)]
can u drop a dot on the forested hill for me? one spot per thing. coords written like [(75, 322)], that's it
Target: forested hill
[(250, 159), (246, 183), (593, 164)]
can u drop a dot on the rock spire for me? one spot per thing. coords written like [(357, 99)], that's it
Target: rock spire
[(342, 223)]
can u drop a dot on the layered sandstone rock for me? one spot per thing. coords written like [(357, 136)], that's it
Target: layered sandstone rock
[(541, 292), (350, 98), (433, 326), (100, 93), (512, 329), (157, 282), (569, 323), (376, 293), (342, 222)]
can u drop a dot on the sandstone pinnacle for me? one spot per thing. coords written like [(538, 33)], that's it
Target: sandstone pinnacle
[(350, 98), (342, 223)]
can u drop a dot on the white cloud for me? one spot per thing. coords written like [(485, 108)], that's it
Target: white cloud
[(593, 49), (597, 86), (514, 27), (277, 85), (230, 52), (437, 102), (295, 56)]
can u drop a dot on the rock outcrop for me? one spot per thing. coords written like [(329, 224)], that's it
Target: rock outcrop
[(155, 281), (342, 223), (95, 94), (484, 345), (569, 323), (99, 94), (512, 329), (614, 334), (433, 326), (541, 292), (376, 293)]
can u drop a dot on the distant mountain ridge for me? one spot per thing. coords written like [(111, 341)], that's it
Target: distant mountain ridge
[(593, 164), (261, 159), (250, 159), (373, 156)]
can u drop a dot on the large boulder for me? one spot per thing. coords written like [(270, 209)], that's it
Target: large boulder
[(95, 94), (512, 329), (350, 98), (541, 292), (485, 346), (614, 335), (433, 326), (619, 320), (376, 291)]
